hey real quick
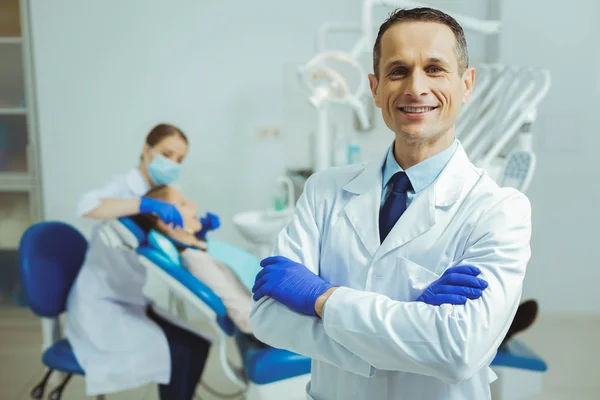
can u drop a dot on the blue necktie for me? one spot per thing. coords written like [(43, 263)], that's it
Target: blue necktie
[(394, 205)]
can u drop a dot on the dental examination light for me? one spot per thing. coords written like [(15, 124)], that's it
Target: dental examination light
[(333, 77)]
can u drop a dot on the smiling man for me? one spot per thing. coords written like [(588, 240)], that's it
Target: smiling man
[(421, 79), (376, 276)]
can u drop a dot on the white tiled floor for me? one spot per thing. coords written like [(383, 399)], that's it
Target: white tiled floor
[(569, 345)]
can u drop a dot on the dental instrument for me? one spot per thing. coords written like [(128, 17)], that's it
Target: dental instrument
[(503, 119), (518, 170), (523, 113), (504, 105), (483, 108), (468, 110)]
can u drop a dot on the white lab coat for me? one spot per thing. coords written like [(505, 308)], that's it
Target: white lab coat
[(117, 345), (375, 341)]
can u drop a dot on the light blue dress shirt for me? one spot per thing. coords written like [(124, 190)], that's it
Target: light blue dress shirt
[(421, 175)]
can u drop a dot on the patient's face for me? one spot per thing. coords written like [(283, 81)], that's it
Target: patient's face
[(187, 208)]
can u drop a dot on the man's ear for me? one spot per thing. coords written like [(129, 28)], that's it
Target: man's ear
[(374, 85), (468, 80)]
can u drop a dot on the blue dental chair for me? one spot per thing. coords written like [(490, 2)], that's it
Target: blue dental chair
[(50, 256), (266, 373)]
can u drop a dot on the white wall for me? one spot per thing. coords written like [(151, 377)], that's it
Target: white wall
[(565, 194), (106, 72)]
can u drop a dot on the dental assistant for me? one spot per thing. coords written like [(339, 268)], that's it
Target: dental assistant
[(160, 164), (119, 339), (355, 274)]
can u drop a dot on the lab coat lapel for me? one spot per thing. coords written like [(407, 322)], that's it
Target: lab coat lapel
[(426, 206), (363, 209), (418, 218)]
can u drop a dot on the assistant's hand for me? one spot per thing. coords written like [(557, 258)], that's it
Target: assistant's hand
[(455, 286), (210, 222), (289, 283), (165, 211)]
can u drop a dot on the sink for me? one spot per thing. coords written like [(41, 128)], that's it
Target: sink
[(261, 227)]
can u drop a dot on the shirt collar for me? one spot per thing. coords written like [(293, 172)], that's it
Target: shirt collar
[(422, 174)]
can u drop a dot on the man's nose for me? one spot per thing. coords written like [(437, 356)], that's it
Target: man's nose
[(416, 85)]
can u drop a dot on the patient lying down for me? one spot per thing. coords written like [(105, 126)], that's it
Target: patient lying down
[(217, 276)]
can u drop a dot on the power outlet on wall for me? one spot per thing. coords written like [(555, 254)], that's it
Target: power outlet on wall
[(269, 132)]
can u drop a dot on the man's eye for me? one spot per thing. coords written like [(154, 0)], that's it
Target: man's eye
[(399, 71), (435, 70)]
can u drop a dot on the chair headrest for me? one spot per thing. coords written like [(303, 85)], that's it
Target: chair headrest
[(135, 236), (158, 241), (124, 230)]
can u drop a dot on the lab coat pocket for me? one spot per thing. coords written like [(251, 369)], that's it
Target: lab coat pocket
[(410, 279)]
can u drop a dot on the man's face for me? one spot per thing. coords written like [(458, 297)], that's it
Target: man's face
[(420, 88)]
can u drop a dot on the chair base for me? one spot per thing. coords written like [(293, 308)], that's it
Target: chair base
[(516, 384), (56, 394), (38, 391), (289, 389)]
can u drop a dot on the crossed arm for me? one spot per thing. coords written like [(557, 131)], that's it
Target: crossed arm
[(363, 331)]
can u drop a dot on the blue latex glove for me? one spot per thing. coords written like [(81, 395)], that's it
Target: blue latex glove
[(165, 211), (289, 283), (210, 222), (455, 286)]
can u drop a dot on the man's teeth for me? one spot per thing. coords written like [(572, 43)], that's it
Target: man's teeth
[(416, 109)]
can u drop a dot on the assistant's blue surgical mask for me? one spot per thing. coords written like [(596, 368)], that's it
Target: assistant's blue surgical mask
[(163, 171)]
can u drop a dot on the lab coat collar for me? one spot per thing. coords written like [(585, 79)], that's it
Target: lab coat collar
[(370, 176), (363, 210), (447, 187)]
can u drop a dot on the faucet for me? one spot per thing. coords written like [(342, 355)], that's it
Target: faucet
[(289, 189), (289, 195)]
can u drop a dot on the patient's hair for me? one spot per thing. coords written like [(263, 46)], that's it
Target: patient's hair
[(162, 131), (148, 222)]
